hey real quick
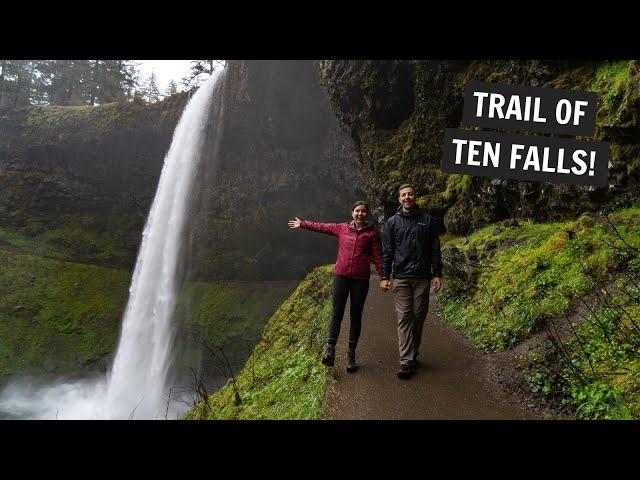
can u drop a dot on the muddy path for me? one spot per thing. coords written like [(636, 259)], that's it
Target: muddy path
[(457, 380)]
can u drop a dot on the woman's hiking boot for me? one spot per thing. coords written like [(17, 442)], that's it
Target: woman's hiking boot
[(351, 361), (329, 356)]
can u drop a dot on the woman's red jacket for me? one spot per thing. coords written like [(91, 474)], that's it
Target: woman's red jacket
[(356, 248)]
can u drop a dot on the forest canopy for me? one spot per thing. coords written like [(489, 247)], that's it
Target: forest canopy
[(85, 82)]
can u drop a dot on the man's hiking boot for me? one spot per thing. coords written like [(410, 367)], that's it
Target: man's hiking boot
[(404, 371), (329, 356), (351, 361), (414, 365)]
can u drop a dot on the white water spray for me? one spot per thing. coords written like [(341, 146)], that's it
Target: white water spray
[(136, 386)]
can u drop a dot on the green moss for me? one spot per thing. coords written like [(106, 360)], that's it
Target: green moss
[(223, 311), (612, 388), (456, 185), (610, 76), (530, 274), (505, 283), (79, 238), (612, 80), (411, 151), (57, 124), (283, 378), (57, 316), (62, 316)]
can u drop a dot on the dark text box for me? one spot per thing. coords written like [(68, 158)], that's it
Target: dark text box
[(525, 107), (523, 157)]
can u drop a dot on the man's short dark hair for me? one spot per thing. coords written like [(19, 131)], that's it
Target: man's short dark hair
[(406, 185)]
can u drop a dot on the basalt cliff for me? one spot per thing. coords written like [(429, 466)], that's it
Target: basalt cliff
[(82, 178), (396, 111)]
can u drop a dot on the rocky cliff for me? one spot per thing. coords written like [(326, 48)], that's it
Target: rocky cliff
[(82, 178), (281, 154), (76, 184), (396, 112)]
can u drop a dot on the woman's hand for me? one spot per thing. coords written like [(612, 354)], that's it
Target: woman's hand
[(295, 223)]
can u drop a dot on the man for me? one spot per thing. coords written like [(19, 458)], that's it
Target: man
[(411, 243)]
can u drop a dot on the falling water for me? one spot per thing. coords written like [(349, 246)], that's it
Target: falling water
[(137, 384)]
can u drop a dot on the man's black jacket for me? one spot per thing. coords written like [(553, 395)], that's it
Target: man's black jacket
[(411, 242)]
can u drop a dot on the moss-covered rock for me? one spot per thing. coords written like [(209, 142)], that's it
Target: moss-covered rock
[(410, 148), (63, 317), (530, 274), (83, 178), (281, 154)]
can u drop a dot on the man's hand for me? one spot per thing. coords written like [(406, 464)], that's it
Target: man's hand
[(437, 284), (295, 223), (385, 285)]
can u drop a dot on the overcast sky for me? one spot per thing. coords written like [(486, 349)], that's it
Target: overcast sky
[(166, 70)]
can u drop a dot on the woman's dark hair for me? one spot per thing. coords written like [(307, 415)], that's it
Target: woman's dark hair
[(358, 203)]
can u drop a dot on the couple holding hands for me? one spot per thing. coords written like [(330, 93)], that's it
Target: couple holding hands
[(409, 248)]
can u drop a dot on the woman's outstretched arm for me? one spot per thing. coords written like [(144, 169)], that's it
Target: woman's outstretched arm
[(328, 228)]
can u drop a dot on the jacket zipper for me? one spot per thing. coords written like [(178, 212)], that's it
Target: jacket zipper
[(353, 251)]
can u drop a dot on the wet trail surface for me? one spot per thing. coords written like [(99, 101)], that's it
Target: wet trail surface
[(454, 382)]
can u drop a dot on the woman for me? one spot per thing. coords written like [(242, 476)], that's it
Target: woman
[(358, 245)]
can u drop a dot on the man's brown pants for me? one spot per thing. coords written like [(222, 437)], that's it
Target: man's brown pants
[(411, 297)]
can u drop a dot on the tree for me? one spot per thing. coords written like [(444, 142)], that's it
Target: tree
[(117, 81), (200, 70), (4, 94), (130, 72), (172, 89), (153, 93), (139, 96), (18, 79), (70, 82), (67, 82)]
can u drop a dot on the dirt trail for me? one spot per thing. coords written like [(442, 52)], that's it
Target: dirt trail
[(455, 382)]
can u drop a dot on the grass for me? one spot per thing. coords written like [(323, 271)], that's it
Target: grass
[(283, 378)]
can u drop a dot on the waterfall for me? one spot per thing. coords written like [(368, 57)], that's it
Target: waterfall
[(137, 383), (139, 373)]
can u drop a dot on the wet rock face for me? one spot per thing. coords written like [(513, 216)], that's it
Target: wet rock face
[(91, 172), (282, 154), (405, 147), (422, 98), (382, 92), (84, 169)]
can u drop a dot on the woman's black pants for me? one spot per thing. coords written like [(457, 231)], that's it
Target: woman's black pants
[(344, 287)]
